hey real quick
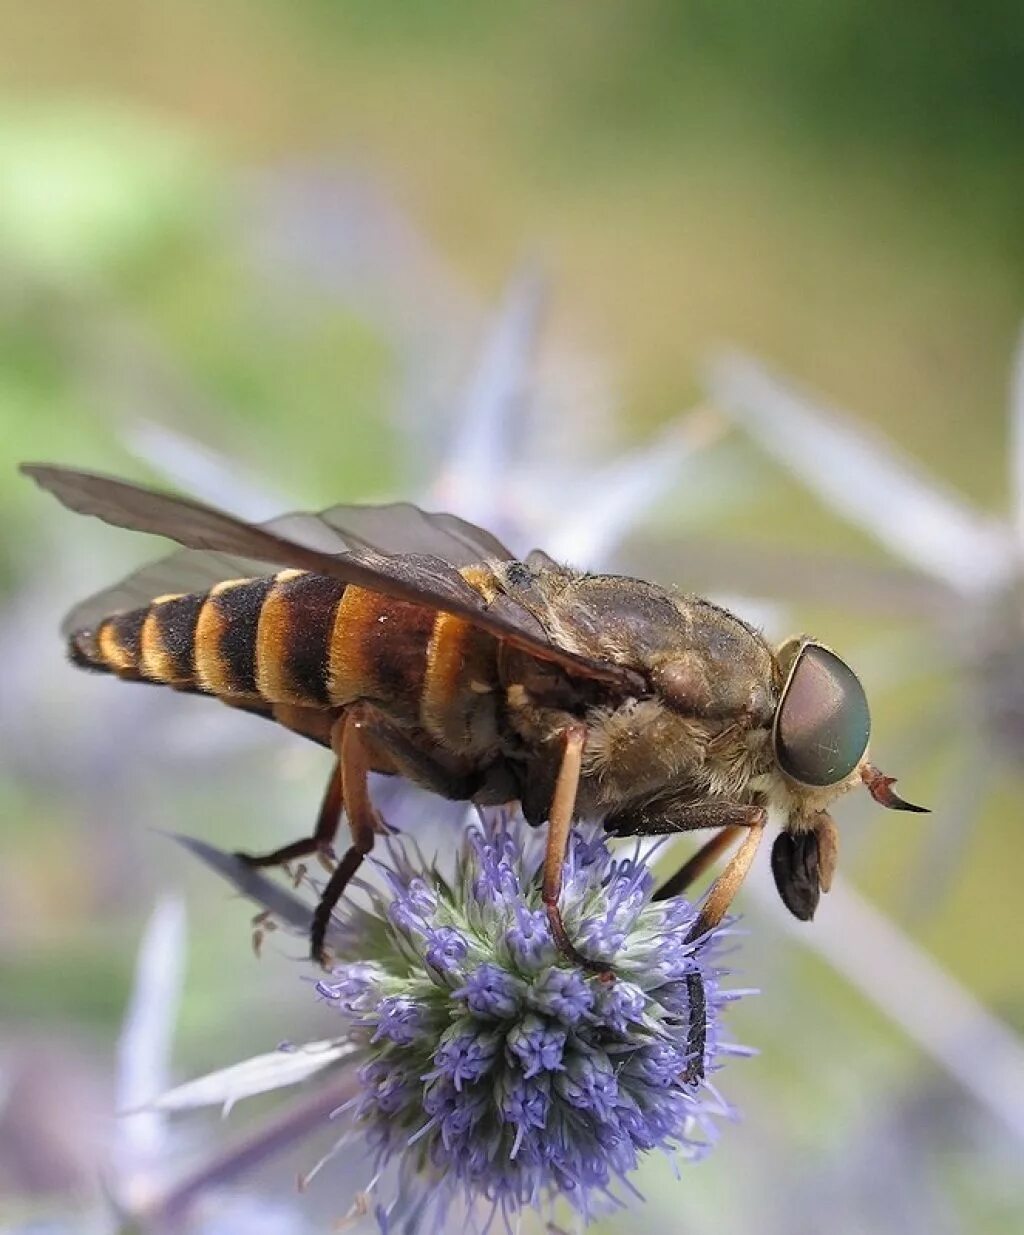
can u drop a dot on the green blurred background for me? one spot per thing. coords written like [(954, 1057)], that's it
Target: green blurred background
[(835, 187)]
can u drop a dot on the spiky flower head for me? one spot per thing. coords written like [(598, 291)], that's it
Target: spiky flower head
[(494, 1070)]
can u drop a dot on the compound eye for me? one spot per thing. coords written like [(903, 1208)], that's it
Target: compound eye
[(822, 724)]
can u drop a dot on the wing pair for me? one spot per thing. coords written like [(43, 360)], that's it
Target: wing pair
[(398, 550)]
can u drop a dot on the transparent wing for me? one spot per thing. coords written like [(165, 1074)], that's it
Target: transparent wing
[(187, 570), (319, 544), (388, 530), (403, 528)]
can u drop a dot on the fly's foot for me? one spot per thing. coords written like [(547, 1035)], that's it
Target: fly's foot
[(262, 925), (567, 949)]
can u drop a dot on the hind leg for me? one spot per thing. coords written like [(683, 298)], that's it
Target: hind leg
[(350, 740), (323, 834)]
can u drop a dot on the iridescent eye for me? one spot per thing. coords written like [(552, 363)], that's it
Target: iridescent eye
[(822, 724)]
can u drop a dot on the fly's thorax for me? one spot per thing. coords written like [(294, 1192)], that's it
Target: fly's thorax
[(738, 761), (717, 665), (707, 718), (700, 660), (651, 750), (714, 694), (642, 747), (636, 623)]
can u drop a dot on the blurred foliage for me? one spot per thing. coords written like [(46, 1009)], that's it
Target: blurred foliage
[(692, 172), (91, 187), (942, 80)]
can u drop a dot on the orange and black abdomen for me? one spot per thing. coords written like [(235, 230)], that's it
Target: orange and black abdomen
[(308, 641), (205, 642)]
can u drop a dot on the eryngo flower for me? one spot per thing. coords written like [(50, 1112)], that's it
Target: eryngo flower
[(494, 1071)]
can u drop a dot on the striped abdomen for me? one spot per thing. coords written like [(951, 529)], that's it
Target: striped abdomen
[(311, 642)]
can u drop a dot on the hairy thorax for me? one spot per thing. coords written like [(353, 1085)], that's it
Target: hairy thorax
[(701, 729), (643, 748)]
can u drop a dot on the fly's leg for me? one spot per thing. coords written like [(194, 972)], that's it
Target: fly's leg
[(365, 741), (262, 925), (663, 817), (698, 863), (696, 1030), (563, 803), (728, 883), (323, 835), (362, 740), (732, 818), (737, 819), (349, 740), (408, 759), (717, 902)]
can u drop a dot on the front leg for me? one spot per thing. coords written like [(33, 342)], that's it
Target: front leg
[(663, 816), (678, 815), (695, 866), (733, 819), (728, 883)]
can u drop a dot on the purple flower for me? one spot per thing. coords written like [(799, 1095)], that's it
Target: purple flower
[(491, 992), (495, 1072), (465, 1055), (400, 1020), (529, 938), (620, 1004), (563, 993), (535, 1045), (446, 948)]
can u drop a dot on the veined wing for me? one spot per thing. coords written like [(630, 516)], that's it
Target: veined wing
[(358, 545)]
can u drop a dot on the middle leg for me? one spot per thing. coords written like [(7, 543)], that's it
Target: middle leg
[(563, 805)]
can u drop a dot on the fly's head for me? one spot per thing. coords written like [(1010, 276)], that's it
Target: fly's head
[(820, 747)]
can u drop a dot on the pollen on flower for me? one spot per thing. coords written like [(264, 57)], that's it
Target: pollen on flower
[(495, 1072)]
